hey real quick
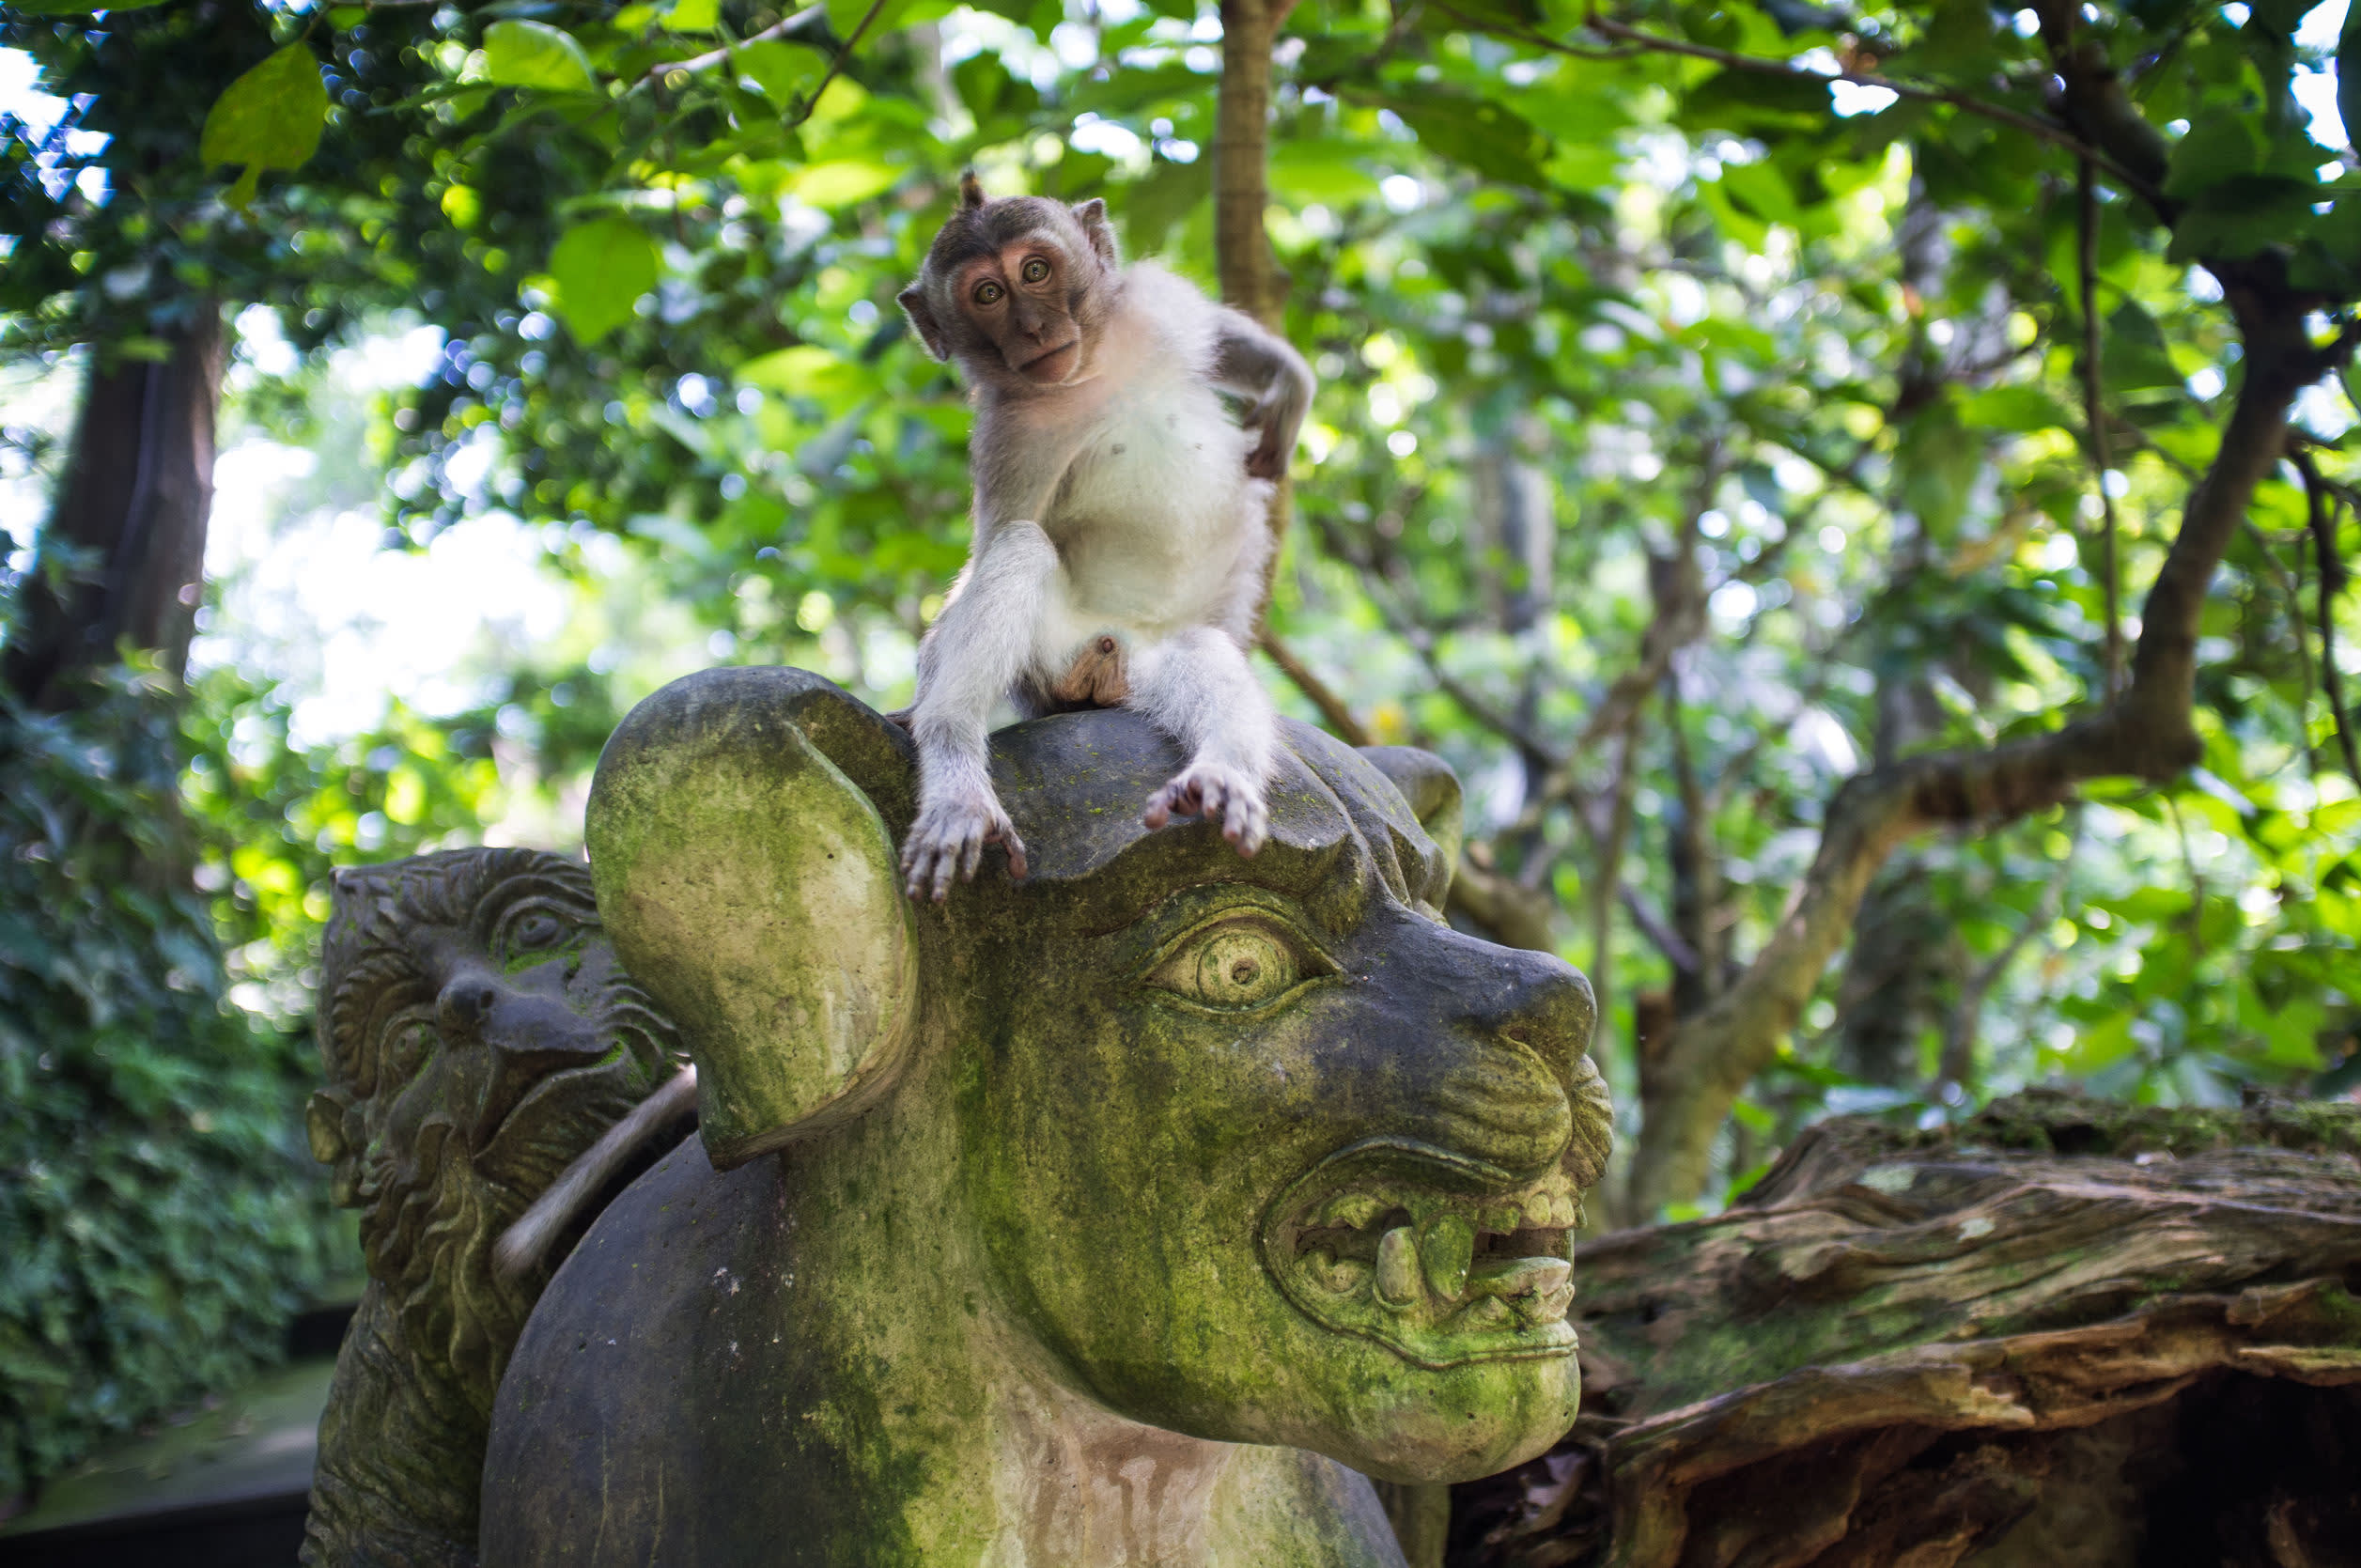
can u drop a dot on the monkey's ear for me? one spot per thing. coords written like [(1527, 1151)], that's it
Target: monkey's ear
[(922, 315), (742, 830), (1092, 215), (971, 191)]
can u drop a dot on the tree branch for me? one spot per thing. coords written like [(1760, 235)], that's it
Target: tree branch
[(1248, 271), (2058, 135), (2321, 517), (1332, 707), (2094, 417), (2149, 734)]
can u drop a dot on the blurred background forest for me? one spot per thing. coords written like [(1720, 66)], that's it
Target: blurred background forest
[(1762, 446)]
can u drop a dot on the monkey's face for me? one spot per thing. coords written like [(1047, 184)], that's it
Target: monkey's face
[(1023, 301), (1018, 293)]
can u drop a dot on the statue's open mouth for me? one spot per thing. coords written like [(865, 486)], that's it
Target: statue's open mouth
[(1439, 1258)]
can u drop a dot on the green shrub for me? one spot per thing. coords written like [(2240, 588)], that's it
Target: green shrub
[(159, 1216)]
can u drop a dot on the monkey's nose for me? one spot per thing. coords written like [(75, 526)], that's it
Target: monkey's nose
[(464, 1004)]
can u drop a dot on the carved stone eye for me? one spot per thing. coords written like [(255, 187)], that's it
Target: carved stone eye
[(1231, 967), (989, 293), (1035, 270), (538, 930)]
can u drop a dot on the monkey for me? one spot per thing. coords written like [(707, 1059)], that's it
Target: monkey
[(1121, 517)]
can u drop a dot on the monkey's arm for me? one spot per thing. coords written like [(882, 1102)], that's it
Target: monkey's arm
[(973, 653), (1257, 364)]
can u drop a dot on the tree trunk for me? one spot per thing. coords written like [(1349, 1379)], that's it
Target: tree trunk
[(1250, 275), (121, 560), (1241, 155), (2063, 1331)]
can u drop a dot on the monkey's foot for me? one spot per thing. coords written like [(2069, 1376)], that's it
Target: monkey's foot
[(948, 840), (1218, 793)]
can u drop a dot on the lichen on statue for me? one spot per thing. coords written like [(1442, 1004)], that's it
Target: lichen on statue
[(1118, 1215)]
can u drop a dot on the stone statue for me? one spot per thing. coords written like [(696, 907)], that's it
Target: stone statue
[(478, 1040), (1102, 1218)]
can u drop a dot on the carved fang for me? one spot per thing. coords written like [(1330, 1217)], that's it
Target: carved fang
[(1397, 1269)]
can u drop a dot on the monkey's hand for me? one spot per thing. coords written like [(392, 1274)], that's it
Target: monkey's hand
[(1277, 424), (948, 840), (1218, 793)]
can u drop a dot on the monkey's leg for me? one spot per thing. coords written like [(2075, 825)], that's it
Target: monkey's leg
[(1199, 686), (983, 640)]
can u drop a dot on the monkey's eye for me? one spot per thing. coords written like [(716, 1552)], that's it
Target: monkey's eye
[(1036, 270), (989, 293), (1235, 964)]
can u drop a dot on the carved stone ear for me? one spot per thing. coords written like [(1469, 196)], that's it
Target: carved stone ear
[(742, 830), (1092, 215), (922, 315), (1432, 790), (971, 191), (332, 1128)]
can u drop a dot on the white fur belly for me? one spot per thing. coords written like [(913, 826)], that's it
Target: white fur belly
[(1156, 514)]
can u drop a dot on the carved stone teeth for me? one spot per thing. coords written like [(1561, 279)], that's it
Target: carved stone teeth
[(1397, 1268), (1446, 1246), (1501, 1218), (1488, 1312)]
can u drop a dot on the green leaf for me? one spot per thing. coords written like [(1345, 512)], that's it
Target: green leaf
[(843, 182), (535, 54), (2019, 409), (2281, 16), (269, 118), (2132, 354), (79, 8), (844, 16), (1761, 189), (1488, 137), (779, 70), (695, 16), (1752, 100), (2330, 259), (602, 267), (2241, 215), (1937, 462), (1333, 173), (803, 371), (2221, 145)]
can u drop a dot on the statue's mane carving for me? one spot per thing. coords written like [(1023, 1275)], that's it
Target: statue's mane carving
[(477, 1039)]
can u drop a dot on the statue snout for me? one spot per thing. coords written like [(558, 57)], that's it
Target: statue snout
[(1542, 1003)]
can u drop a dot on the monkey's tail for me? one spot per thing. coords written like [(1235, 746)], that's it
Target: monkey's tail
[(584, 1186)]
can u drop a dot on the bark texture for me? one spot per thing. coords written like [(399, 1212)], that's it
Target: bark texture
[(2063, 1332), (122, 558)]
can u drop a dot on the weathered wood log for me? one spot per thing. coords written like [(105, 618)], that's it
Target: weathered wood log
[(2062, 1332)]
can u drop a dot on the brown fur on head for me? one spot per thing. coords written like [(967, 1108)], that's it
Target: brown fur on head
[(1016, 289)]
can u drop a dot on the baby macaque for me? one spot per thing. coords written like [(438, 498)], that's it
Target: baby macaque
[(1121, 517)]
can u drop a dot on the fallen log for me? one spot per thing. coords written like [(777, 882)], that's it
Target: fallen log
[(2059, 1332)]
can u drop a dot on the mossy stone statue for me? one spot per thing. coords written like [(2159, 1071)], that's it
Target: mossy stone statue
[(1116, 1215)]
